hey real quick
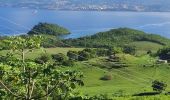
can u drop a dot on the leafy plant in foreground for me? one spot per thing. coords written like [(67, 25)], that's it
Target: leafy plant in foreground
[(27, 80)]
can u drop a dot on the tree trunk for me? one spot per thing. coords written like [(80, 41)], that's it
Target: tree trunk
[(47, 92), (23, 59)]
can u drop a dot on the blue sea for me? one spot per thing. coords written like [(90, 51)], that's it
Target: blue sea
[(15, 21)]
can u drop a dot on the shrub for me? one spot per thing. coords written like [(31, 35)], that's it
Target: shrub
[(114, 50), (68, 63), (164, 53), (43, 59), (72, 55), (101, 52), (83, 56), (129, 50), (158, 86), (92, 52), (149, 52), (59, 57), (106, 77)]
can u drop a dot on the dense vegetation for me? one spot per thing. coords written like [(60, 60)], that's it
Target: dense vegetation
[(25, 79), (49, 29), (117, 37), (164, 53)]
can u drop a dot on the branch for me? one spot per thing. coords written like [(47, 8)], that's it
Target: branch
[(37, 98), (32, 88), (8, 89)]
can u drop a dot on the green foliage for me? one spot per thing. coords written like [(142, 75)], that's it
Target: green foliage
[(92, 52), (106, 77), (49, 29), (164, 53), (68, 63), (149, 52), (117, 37), (115, 50), (159, 86), (59, 57), (102, 52), (129, 50), (49, 41), (83, 56), (27, 80), (21, 43), (72, 55), (44, 58)]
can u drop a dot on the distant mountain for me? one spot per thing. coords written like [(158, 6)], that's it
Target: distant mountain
[(113, 5)]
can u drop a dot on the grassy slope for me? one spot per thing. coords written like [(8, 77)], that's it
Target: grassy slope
[(121, 37), (143, 46), (129, 80)]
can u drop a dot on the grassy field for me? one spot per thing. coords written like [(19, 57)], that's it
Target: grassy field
[(50, 51), (159, 97), (143, 46), (129, 80), (137, 77), (38, 52)]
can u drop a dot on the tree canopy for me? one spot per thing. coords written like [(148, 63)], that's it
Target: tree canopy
[(23, 79), (49, 29), (116, 37)]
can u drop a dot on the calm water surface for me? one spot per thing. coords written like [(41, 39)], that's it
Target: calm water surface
[(15, 21)]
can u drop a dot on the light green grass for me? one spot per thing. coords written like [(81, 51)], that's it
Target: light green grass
[(131, 80), (143, 46), (38, 52), (50, 51), (158, 97)]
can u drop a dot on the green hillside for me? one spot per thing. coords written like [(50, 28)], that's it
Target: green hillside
[(136, 78), (142, 47), (117, 37)]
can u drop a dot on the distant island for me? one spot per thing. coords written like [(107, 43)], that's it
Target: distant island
[(50, 29), (92, 5)]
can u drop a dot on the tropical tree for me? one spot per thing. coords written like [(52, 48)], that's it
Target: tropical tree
[(59, 57), (44, 58), (83, 56), (72, 55), (164, 53), (129, 50), (158, 86), (24, 79)]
